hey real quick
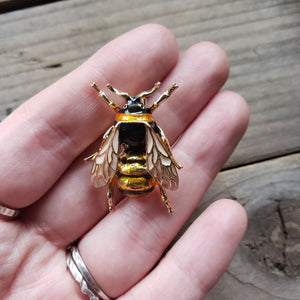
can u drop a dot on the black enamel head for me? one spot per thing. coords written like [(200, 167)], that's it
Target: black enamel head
[(135, 104)]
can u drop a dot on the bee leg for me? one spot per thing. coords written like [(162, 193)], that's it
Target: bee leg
[(110, 193), (165, 198), (105, 98), (163, 97), (91, 157), (107, 133)]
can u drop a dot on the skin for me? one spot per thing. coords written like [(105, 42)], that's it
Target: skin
[(43, 144)]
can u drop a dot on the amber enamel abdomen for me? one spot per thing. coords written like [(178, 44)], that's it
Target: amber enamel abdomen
[(133, 177)]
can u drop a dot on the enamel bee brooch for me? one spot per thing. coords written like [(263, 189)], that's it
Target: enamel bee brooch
[(135, 155)]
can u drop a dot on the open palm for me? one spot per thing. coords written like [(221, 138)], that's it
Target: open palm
[(43, 144)]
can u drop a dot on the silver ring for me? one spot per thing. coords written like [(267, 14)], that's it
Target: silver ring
[(82, 275), (8, 212)]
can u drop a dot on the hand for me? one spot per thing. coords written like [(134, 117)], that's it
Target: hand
[(43, 144)]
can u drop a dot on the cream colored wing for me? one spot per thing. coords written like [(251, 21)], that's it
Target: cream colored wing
[(106, 159), (159, 162)]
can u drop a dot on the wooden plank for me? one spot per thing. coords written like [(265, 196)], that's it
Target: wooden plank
[(267, 263), (41, 44)]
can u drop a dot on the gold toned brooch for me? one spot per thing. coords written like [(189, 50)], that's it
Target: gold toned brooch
[(135, 155)]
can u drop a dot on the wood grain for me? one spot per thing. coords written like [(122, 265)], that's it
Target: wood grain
[(41, 44), (266, 265)]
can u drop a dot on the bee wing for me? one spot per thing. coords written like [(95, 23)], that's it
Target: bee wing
[(159, 162), (106, 159)]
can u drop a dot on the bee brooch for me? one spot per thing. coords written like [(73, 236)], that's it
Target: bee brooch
[(135, 155)]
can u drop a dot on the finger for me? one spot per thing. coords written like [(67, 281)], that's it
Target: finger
[(200, 73), (88, 204), (44, 135), (139, 230), (199, 258)]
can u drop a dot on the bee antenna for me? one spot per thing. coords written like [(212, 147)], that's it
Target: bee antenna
[(150, 92), (117, 92)]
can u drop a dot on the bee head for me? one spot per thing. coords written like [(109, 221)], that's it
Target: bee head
[(134, 104)]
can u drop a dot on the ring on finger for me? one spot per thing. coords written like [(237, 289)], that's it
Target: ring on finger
[(82, 275), (9, 212)]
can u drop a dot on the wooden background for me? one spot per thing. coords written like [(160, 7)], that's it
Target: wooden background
[(40, 44)]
